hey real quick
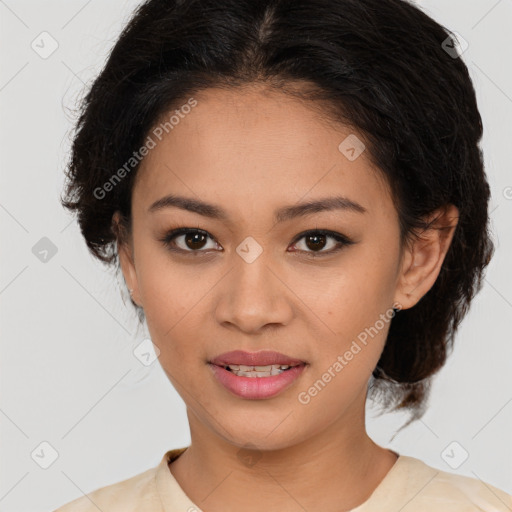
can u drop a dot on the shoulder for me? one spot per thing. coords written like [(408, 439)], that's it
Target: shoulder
[(138, 493), (433, 488), (135, 493)]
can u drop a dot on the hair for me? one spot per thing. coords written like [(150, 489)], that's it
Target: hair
[(378, 66)]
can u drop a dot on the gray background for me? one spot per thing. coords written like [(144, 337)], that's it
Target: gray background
[(68, 374)]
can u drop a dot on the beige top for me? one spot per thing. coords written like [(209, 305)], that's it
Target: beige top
[(410, 486)]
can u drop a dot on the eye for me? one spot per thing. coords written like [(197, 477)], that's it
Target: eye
[(316, 240), (192, 239)]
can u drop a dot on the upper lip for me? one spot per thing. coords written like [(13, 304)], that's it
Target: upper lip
[(261, 358)]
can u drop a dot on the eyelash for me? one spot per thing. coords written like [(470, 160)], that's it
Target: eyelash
[(341, 239)]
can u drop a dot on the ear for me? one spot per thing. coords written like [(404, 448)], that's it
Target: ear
[(126, 259), (423, 256)]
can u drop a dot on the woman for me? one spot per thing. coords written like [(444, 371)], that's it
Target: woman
[(295, 195)]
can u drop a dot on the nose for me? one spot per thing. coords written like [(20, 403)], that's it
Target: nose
[(253, 297)]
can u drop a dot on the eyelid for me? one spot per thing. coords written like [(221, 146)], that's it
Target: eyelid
[(326, 232), (339, 237), (172, 234)]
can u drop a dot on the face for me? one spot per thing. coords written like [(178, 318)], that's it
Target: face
[(317, 286)]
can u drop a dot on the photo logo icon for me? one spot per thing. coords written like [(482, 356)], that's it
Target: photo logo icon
[(455, 45), (352, 147), (44, 455), (44, 45), (455, 455), (249, 249)]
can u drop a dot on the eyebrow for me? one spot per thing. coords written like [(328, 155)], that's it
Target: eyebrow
[(282, 214)]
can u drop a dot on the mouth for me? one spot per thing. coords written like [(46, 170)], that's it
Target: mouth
[(257, 382), (241, 370), (256, 375), (262, 361)]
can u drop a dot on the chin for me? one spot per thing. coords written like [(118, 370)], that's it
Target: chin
[(274, 435)]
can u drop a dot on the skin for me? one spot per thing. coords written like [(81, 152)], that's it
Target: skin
[(250, 152)]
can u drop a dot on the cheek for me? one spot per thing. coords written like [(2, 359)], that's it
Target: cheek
[(164, 293), (174, 297), (351, 295), (168, 289), (350, 309)]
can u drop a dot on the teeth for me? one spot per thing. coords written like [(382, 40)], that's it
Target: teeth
[(242, 370), (268, 368)]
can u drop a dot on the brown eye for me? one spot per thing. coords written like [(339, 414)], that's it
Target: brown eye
[(194, 240), (315, 241), (187, 240)]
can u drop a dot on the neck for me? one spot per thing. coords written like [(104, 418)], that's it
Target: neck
[(336, 469)]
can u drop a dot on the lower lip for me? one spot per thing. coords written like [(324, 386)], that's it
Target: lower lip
[(256, 387)]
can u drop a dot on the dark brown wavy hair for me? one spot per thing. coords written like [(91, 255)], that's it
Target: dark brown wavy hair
[(379, 66)]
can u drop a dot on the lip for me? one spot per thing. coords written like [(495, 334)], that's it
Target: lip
[(256, 387), (261, 358)]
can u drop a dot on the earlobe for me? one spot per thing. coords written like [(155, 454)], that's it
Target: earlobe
[(128, 269), (424, 255), (126, 260)]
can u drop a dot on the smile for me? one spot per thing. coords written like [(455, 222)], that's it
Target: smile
[(257, 371), (257, 382)]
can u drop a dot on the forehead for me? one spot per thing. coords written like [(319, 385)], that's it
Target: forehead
[(257, 145)]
